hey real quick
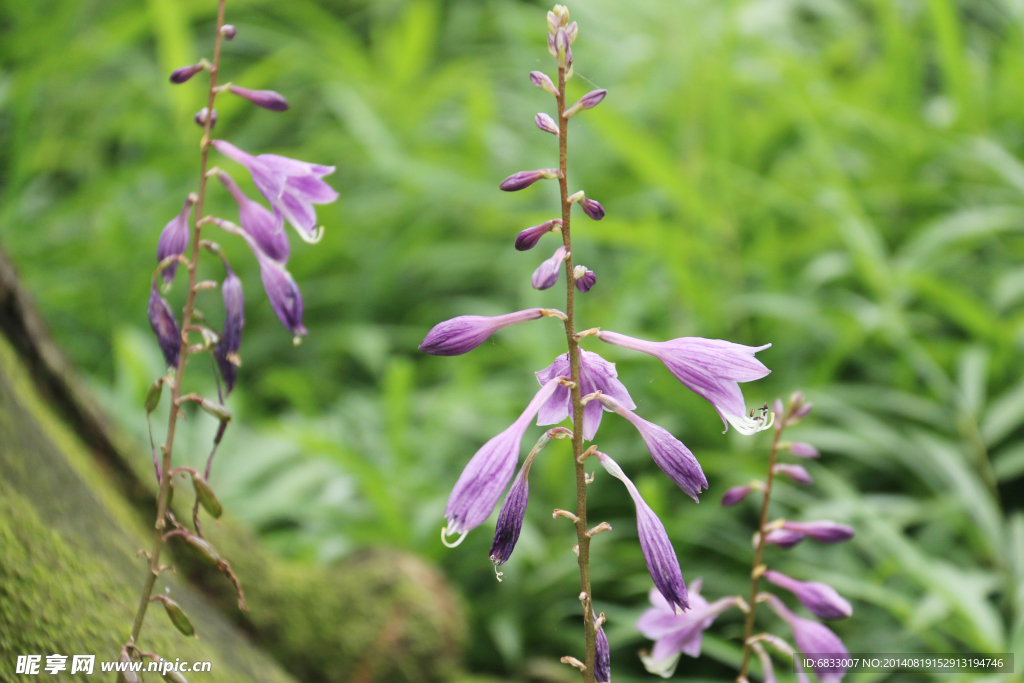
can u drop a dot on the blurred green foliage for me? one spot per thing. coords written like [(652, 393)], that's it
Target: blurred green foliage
[(842, 179)]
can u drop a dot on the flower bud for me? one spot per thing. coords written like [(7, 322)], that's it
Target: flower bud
[(551, 45), (802, 411), (735, 495), (510, 519), (561, 46), (553, 24), (226, 351), (174, 238), (205, 549), (823, 531), (164, 324), (172, 676), (546, 274), (588, 101), (546, 123), (795, 472), (803, 450), (523, 179), (541, 80), (571, 30), (820, 598), (228, 31), (268, 99), (182, 74), (784, 538), (177, 616), (466, 332), (200, 118), (129, 675), (156, 390), (562, 13), (206, 497), (585, 278), (592, 208), (215, 409), (527, 239)]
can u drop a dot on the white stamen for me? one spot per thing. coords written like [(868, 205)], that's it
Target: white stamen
[(444, 538)]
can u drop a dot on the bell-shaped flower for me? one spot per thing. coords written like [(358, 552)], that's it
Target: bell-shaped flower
[(265, 227), (711, 368), (797, 473), (668, 452), (268, 99), (585, 278), (547, 272), (527, 239), (165, 325), (523, 179), (596, 374), (466, 332), (226, 351), (815, 639), (513, 510), (292, 187), (736, 494), (823, 531), (659, 554), (542, 81), (488, 473), (820, 598), (174, 238), (546, 123), (602, 657), (677, 633), (183, 73)]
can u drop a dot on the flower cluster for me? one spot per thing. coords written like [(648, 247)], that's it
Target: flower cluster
[(581, 385)]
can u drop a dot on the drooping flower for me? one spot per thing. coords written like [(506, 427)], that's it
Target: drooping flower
[(183, 73), (292, 187), (677, 633), (547, 272), (268, 99), (659, 554), (480, 485), (546, 123), (797, 473), (814, 638), (174, 238), (585, 278), (596, 374), (265, 227), (284, 295), (820, 598), (711, 368), (602, 657), (165, 325), (735, 495), (668, 452), (226, 351), (527, 239), (466, 332), (523, 179), (823, 531), (513, 510), (588, 101), (803, 450)]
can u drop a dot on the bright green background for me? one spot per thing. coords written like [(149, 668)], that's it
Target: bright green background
[(841, 179)]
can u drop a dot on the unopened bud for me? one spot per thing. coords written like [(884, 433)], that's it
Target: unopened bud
[(268, 99), (546, 123), (541, 80), (795, 472), (551, 45), (585, 278), (527, 239), (562, 13), (735, 495), (523, 179), (173, 676), (228, 31), (200, 118), (156, 390), (588, 101), (803, 450), (129, 675), (592, 208), (215, 409), (206, 497), (182, 74), (561, 46), (571, 30), (553, 24), (177, 616), (205, 549)]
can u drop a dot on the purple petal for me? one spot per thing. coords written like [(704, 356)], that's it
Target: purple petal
[(592, 208), (595, 374), (602, 658), (466, 332), (510, 519), (547, 272), (266, 228), (231, 336), (165, 325), (814, 639), (174, 238), (586, 281)]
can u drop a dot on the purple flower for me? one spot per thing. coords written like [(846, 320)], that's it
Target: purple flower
[(795, 472), (711, 368), (266, 228), (268, 99), (284, 295), (821, 599), (813, 638), (182, 74), (668, 452), (824, 531), (541, 80), (588, 101), (228, 31), (546, 123), (459, 335), (510, 518), (174, 238), (523, 179), (547, 272), (676, 633), (803, 450), (488, 472), (654, 542), (602, 658), (226, 351), (590, 207), (200, 118), (735, 495), (585, 278), (292, 187), (784, 538), (165, 325), (527, 239), (596, 374)]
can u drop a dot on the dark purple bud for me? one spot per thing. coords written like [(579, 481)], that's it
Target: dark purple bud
[(547, 272), (784, 538), (228, 31), (200, 118), (528, 238), (284, 295), (226, 351), (795, 472), (174, 238), (165, 325), (510, 519), (459, 335), (820, 598), (542, 81), (824, 531), (735, 495), (182, 74), (602, 657), (268, 99), (523, 179), (585, 278), (803, 450), (546, 123), (592, 208), (588, 101)]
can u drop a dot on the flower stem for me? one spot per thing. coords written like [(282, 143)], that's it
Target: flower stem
[(179, 375), (755, 573), (577, 405)]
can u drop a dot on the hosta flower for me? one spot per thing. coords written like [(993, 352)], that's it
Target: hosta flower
[(174, 238), (803, 450), (596, 374), (677, 633), (527, 239), (292, 187), (165, 325), (783, 538), (588, 101), (585, 278), (816, 639), (668, 452), (546, 123), (268, 99), (226, 351), (466, 332), (183, 73), (513, 510), (823, 531), (711, 368), (820, 598), (523, 179), (541, 80), (284, 295), (547, 272), (265, 227), (797, 473), (735, 495), (590, 207), (488, 472)]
